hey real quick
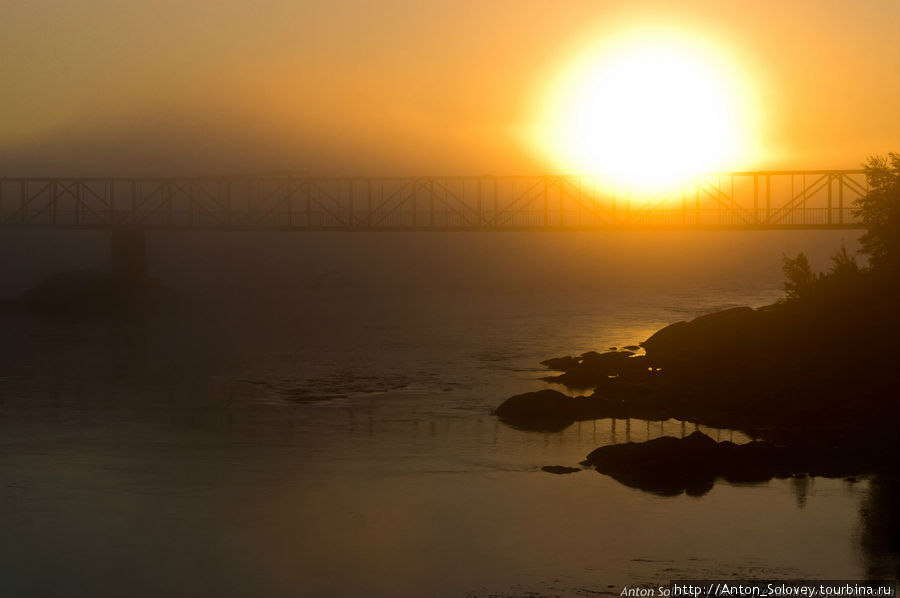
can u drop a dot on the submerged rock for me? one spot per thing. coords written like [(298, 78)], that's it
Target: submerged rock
[(560, 469)]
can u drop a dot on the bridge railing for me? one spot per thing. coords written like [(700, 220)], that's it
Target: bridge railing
[(784, 199)]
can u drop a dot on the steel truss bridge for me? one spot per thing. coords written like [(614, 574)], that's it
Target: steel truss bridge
[(807, 199)]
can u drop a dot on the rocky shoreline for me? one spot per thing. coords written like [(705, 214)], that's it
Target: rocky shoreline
[(814, 384)]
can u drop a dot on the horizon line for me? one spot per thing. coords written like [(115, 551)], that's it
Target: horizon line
[(308, 175)]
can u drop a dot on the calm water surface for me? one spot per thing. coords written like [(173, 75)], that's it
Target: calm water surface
[(339, 444)]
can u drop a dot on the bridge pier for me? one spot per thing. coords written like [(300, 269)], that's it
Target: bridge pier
[(127, 257)]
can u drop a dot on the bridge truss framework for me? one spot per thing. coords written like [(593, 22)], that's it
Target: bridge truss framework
[(809, 199)]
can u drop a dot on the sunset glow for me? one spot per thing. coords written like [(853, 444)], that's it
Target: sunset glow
[(649, 109), (446, 298)]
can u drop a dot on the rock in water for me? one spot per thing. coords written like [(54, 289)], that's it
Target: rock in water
[(671, 465), (559, 469), (543, 410), (592, 369), (563, 364)]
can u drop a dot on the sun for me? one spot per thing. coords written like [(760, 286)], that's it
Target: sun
[(649, 109)]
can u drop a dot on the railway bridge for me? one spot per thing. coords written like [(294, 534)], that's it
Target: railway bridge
[(129, 207), (810, 199)]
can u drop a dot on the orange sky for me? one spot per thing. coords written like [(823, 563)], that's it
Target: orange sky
[(401, 87)]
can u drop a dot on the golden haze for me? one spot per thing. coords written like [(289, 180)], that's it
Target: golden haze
[(100, 87)]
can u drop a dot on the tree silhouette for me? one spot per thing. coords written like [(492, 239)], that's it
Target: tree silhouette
[(879, 210), (843, 264), (800, 279)]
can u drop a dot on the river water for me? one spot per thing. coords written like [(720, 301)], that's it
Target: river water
[(316, 421)]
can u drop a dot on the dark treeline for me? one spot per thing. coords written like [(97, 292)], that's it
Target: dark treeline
[(879, 210)]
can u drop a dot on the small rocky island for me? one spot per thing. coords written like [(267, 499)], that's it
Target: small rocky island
[(817, 402), (125, 289), (814, 377), (91, 293)]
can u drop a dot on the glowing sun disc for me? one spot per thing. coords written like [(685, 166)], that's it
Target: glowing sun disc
[(651, 110)]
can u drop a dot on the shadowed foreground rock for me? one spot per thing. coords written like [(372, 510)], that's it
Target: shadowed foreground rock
[(592, 368), (551, 411), (559, 469), (543, 410), (815, 376), (815, 382), (671, 466), (775, 372)]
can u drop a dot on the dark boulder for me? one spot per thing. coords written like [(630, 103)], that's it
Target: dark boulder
[(562, 364), (671, 465), (552, 411), (543, 410), (709, 339), (560, 469)]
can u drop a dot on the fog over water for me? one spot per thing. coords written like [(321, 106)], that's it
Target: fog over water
[(317, 421), (313, 413), (257, 265)]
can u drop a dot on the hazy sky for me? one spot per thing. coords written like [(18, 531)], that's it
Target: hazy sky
[(401, 86)]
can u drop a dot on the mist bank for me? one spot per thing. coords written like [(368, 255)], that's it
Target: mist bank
[(389, 267)]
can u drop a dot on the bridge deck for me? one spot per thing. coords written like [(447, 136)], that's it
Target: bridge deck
[(764, 200)]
